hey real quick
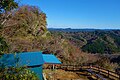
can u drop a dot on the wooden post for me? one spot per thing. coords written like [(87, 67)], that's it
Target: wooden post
[(90, 67), (81, 66), (97, 78), (98, 69), (53, 72), (108, 73), (119, 76), (53, 66)]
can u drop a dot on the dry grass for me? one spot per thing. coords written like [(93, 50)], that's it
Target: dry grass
[(62, 75)]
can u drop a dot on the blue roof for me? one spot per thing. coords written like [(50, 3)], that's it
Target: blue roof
[(50, 58), (27, 59), (22, 59), (31, 58)]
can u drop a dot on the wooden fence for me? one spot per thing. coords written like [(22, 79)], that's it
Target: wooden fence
[(99, 70)]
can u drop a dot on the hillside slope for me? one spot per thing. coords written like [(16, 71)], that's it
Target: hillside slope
[(23, 27), (98, 41), (26, 30)]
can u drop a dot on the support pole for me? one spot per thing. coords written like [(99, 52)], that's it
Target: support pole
[(53, 66)]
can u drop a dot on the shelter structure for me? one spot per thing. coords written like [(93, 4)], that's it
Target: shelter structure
[(32, 60)]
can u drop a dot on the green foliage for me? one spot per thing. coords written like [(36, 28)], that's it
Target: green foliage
[(26, 20), (17, 74), (23, 23), (24, 28), (94, 41), (3, 46), (104, 62), (26, 31), (95, 47), (7, 5)]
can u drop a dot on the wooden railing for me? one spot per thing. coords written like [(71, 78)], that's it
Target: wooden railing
[(99, 70), (107, 72)]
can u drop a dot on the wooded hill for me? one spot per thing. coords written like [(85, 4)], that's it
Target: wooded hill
[(25, 30), (93, 41), (23, 27)]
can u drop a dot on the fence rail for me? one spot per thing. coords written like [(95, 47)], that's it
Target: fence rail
[(95, 68), (108, 72)]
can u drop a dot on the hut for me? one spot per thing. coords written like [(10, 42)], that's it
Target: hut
[(32, 60)]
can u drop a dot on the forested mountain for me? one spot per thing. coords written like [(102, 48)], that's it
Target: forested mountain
[(96, 47), (93, 41), (24, 29)]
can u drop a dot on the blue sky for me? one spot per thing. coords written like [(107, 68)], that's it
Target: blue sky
[(99, 14)]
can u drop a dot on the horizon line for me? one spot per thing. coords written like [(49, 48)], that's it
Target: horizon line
[(83, 28)]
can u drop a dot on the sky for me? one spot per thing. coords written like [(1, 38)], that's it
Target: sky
[(97, 14)]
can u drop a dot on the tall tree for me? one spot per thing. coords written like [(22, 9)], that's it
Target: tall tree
[(5, 6)]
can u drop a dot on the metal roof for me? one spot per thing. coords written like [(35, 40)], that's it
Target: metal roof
[(29, 59), (50, 58), (22, 59)]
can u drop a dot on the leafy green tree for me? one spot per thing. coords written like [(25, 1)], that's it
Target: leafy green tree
[(7, 5), (11, 73), (3, 46), (105, 62), (95, 47), (17, 74)]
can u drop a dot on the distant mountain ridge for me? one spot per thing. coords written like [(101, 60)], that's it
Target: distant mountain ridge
[(78, 30), (92, 40)]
